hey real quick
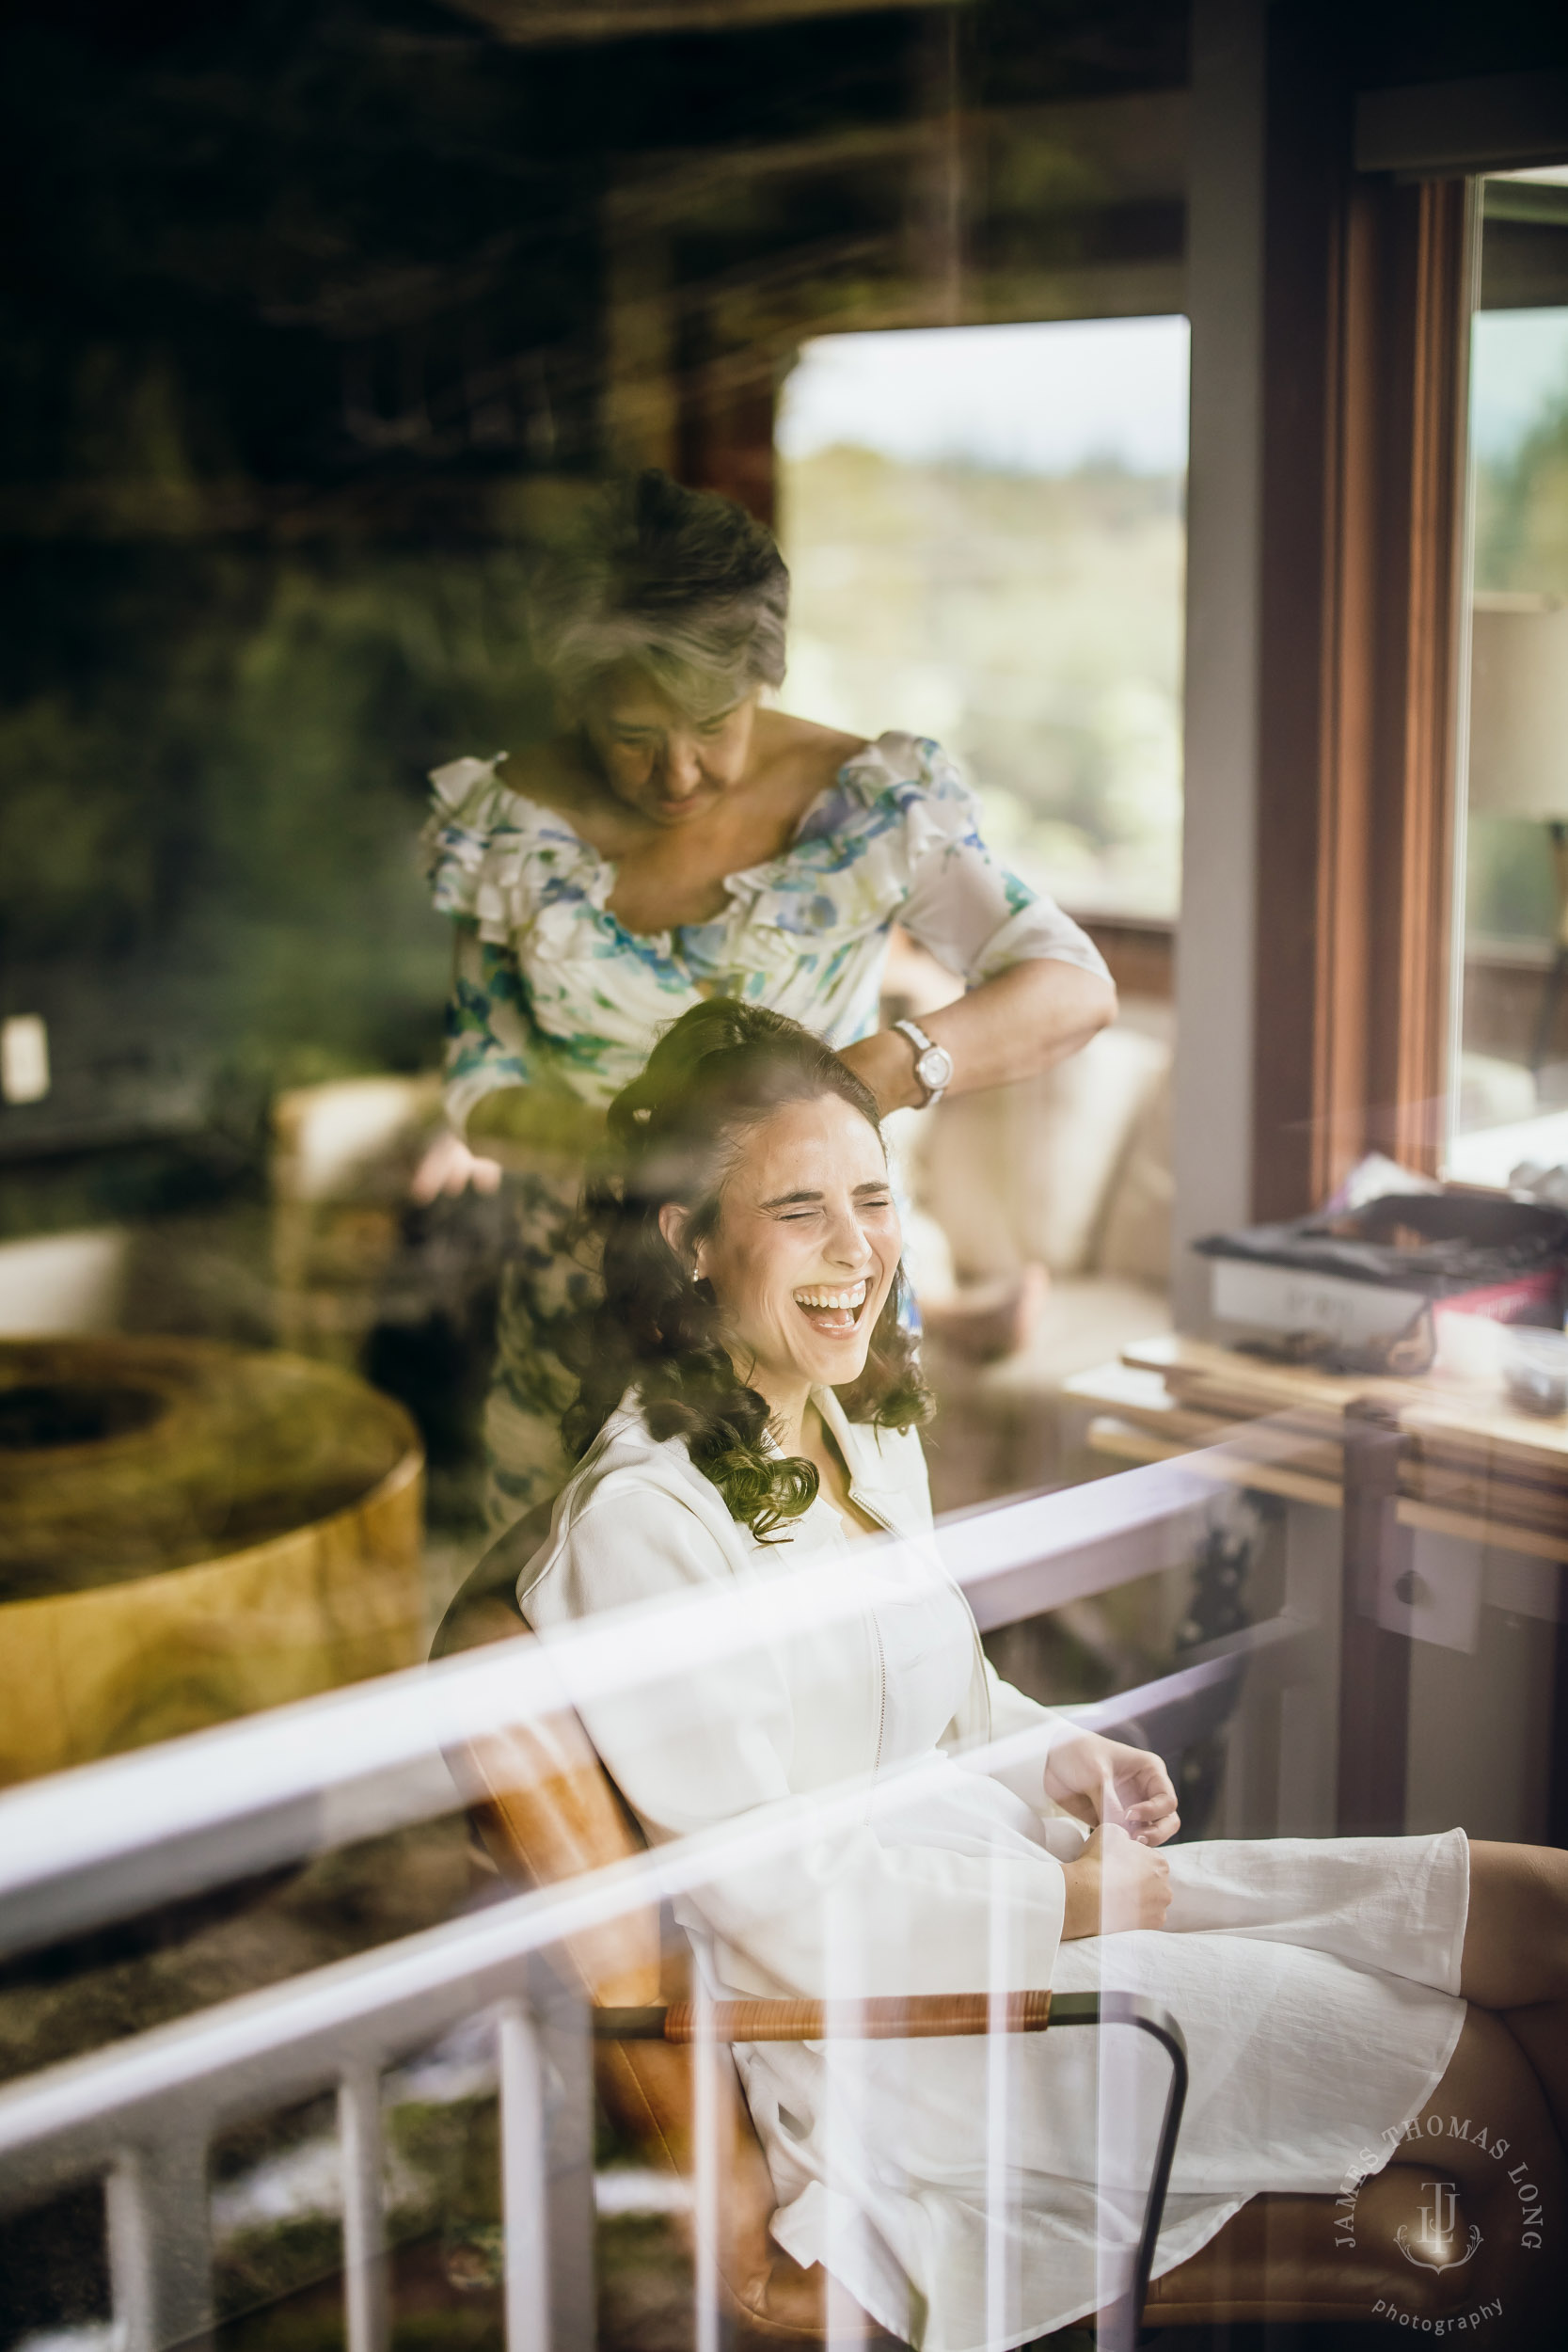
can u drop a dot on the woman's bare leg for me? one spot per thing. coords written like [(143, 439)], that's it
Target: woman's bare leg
[(1516, 1936), (1542, 2033), (1515, 1960), (1489, 2094)]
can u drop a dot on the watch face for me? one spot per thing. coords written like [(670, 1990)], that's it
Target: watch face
[(934, 1068)]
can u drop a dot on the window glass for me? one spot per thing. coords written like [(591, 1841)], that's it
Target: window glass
[(1512, 1078), (983, 527)]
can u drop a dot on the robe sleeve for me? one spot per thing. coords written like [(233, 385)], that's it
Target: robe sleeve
[(861, 1907), (1012, 1711)]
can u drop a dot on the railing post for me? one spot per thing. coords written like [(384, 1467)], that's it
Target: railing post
[(1004, 1971), (160, 2246), (842, 1984), (365, 2297), (524, 2182), (706, 2059), (1374, 1661)]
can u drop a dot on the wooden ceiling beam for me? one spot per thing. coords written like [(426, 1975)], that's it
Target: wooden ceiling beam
[(556, 23)]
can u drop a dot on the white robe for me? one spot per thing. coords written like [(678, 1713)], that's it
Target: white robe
[(976, 2193)]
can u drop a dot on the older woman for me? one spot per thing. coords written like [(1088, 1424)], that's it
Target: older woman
[(747, 1411), (677, 840)]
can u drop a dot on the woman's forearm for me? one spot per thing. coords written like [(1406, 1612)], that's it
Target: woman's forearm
[(1007, 1028)]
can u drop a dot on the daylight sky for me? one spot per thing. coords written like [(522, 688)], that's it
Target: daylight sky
[(1026, 399), (1519, 370), (1045, 399)]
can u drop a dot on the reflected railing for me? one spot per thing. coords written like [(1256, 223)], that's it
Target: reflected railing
[(112, 1840)]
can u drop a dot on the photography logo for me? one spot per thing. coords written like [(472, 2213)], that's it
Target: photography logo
[(1441, 2239), (1436, 2244)]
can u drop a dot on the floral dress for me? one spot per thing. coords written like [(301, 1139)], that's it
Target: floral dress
[(551, 991)]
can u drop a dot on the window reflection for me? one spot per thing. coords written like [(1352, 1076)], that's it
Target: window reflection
[(351, 1936), (1512, 1077)]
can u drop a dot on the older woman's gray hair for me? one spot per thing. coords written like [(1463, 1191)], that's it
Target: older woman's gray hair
[(682, 584)]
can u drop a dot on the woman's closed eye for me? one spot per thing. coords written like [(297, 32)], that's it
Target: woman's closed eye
[(865, 1208)]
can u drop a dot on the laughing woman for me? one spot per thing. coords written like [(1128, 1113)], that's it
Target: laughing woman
[(677, 840), (749, 1409)]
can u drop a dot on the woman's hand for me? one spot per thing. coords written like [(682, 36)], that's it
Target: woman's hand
[(1114, 1885), (1099, 1780), (447, 1166)]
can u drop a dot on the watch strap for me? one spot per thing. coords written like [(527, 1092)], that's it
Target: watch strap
[(924, 1045)]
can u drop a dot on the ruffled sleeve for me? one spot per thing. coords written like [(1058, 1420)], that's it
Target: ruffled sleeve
[(470, 841), (969, 911), (502, 861), (458, 831)]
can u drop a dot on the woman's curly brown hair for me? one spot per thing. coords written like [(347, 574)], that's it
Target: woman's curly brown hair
[(674, 1133)]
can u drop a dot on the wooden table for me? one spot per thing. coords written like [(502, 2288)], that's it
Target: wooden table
[(1422, 1472), (189, 1533)]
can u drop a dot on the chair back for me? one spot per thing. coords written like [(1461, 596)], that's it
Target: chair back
[(538, 1795), (547, 1810)]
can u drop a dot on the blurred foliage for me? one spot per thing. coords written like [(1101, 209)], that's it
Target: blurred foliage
[(1521, 510), (1033, 623), (645, 2285), (295, 299), (233, 800), (1521, 542), (1509, 892), (268, 2264), (442, 2176), (54, 2267)]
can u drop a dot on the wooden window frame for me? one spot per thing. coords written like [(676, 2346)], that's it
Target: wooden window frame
[(1367, 336)]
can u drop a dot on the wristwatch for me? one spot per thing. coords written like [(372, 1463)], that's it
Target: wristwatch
[(933, 1063)]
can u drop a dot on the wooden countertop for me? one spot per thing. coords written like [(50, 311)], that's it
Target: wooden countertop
[(1473, 1466)]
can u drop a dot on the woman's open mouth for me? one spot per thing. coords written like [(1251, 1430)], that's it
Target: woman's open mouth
[(833, 1309)]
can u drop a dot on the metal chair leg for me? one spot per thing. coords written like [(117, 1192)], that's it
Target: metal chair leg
[(1119, 2325)]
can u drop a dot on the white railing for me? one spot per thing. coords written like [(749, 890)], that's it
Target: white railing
[(114, 1839), (143, 2114)]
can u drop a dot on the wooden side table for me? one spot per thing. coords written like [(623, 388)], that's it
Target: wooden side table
[(1447, 1497)]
